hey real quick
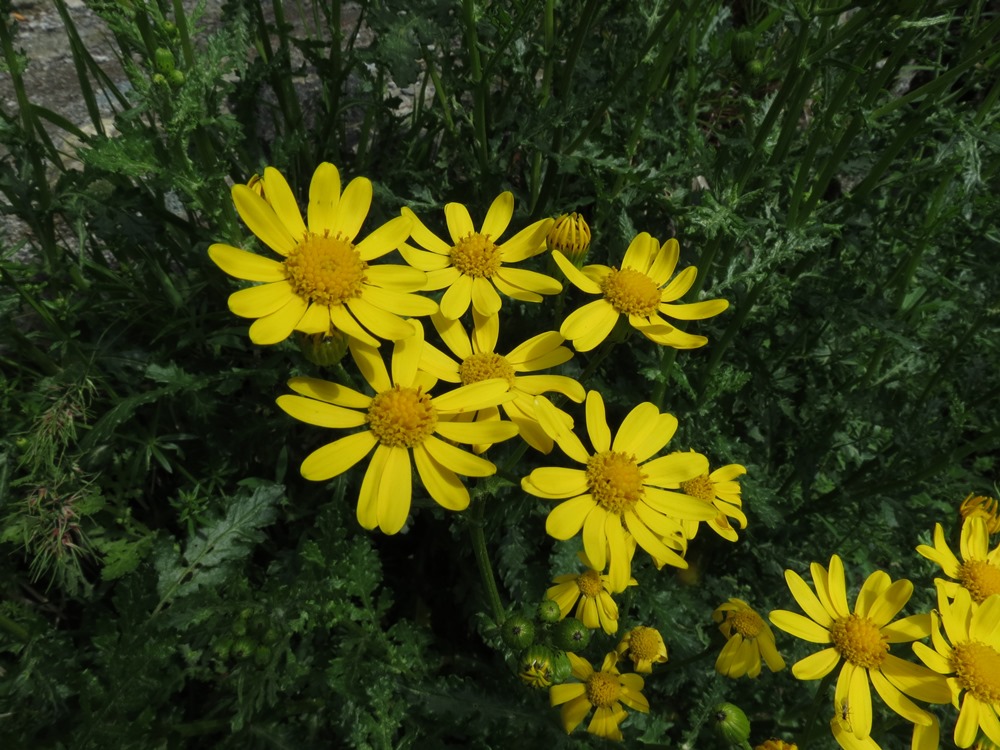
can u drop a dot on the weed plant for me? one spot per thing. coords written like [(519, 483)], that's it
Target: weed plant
[(169, 578)]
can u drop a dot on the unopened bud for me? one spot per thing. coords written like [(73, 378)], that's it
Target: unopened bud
[(570, 235), (731, 723), (323, 350)]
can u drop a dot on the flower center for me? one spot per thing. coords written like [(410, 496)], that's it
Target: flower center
[(590, 583), (614, 480), (859, 640), (980, 578), (747, 623), (643, 644), (484, 366), (326, 270), (699, 487), (977, 668), (631, 292), (476, 255), (603, 689), (402, 417)]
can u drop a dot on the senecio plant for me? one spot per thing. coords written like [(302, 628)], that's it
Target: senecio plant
[(431, 399)]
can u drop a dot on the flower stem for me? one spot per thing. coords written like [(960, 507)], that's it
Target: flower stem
[(483, 557)]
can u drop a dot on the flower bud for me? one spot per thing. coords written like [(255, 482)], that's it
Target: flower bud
[(571, 635), (743, 47), (323, 350), (518, 632), (731, 723), (164, 60), (570, 235), (548, 611), (535, 666), (176, 78)]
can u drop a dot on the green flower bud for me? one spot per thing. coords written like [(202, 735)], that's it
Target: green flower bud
[(755, 68), (164, 60), (518, 632), (159, 79), (731, 723), (176, 78), (323, 350), (571, 635), (570, 235), (562, 668), (743, 47), (548, 611), (243, 647)]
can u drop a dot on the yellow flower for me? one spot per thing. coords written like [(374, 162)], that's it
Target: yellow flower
[(324, 281), (859, 641), (591, 592), (472, 265), (480, 361), (979, 572), (644, 647), (970, 661), (604, 691), (618, 495), (775, 744), (720, 489), (748, 638), (925, 737), (570, 235), (983, 507), (637, 291), (401, 420)]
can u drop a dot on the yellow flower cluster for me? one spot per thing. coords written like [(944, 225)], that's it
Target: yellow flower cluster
[(961, 665)]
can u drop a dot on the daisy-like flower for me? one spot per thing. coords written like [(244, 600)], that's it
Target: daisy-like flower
[(639, 290), (979, 571), (859, 642), (969, 659), (402, 421), (644, 647), (925, 737), (478, 360), (982, 507), (324, 281), (720, 489), (618, 495), (748, 638), (476, 265), (604, 691), (591, 592)]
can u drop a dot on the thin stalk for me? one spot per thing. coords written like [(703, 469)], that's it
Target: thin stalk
[(478, 82), (80, 55), (667, 359), (478, 538), (12, 628)]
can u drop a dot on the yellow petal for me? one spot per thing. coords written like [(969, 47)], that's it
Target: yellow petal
[(278, 326), (399, 303), (815, 666), (262, 220), (367, 512), (558, 482), (499, 215), (406, 353), (396, 278), (344, 321), (324, 197), (575, 276), (476, 432), (485, 299), (807, 599), (549, 417), (459, 222), (383, 324), (597, 423), (337, 457), (353, 208), (333, 393), (258, 301), (674, 468), (873, 586), (528, 242), (636, 426), (799, 626), (457, 460), (441, 484), (473, 397), (620, 564), (385, 239), (640, 253), (395, 491), (916, 681), (457, 298), (968, 721), (595, 539), (908, 629), (424, 236), (282, 200), (243, 265), (859, 697), (320, 413), (566, 519), (316, 319), (895, 700), (370, 363), (532, 283), (665, 262), (539, 352), (890, 602)]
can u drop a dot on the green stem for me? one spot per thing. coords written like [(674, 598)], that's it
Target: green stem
[(478, 538), (667, 359), (476, 71), (14, 629)]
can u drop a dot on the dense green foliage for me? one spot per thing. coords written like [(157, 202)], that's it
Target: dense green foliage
[(169, 578)]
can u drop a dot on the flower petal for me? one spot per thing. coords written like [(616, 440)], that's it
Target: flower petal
[(320, 413), (282, 200), (566, 519), (385, 239), (395, 491), (440, 483), (799, 626), (278, 326), (457, 298), (324, 197), (247, 266), (576, 277), (558, 482), (890, 602), (457, 460), (259, 301), (817, 665), (485, 299), (476, 432), (262, 220), (353, 208), (498, 216), (337, 457)]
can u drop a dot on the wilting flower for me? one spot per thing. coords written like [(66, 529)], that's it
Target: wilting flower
[(604, 691), (324, 282), (474, 266), (639, 291), (859, 643), (748, 638), (618, 495), (402, 420), (645, 647), (969, 659), (478, 360), (591, 592), (979, 572)]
